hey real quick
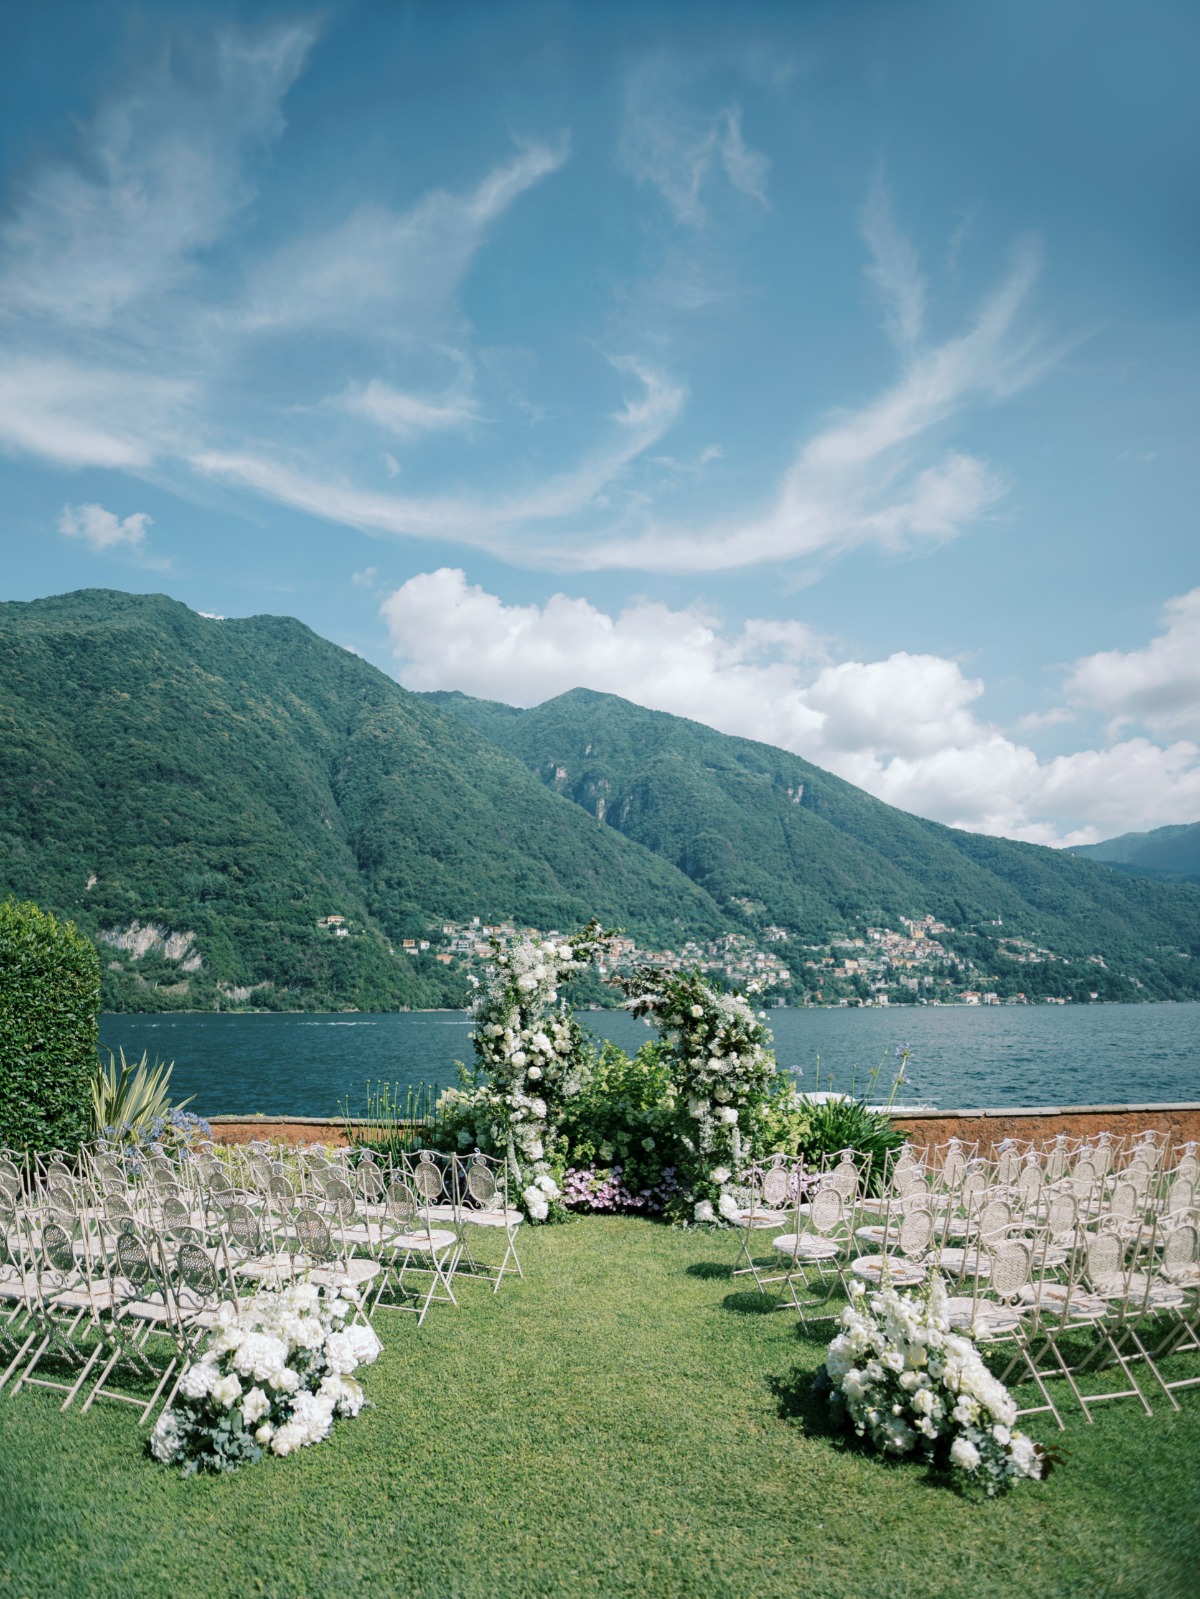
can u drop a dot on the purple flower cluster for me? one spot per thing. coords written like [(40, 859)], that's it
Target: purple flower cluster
[(603, 1188)]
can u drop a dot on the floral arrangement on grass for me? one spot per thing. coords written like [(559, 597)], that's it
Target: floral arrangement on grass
[(723, 1070), (907, 1383), (533, 1058), (272, 1377)]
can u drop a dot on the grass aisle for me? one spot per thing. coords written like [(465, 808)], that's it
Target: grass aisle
[(607, 1427)]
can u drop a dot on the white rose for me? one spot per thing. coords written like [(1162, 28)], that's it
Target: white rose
[(265, 1433), (534, 1073), (703, 1211), (519, 1057), (226, 1391), (728, 1114), (720, 1174), (255, 1406), (728, 1207), (964, 1454)]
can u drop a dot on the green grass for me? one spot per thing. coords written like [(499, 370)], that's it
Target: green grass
[(611, 1426)]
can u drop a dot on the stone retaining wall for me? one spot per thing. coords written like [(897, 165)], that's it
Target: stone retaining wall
[(925, 1128)]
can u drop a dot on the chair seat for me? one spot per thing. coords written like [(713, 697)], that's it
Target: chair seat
[(804, 1247), (430, 1243), (358, 1272), (493, 1218), (762, 1218)]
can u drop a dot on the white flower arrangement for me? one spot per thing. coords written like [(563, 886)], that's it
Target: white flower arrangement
[(274, 1373), (911, 1386), (533, 1058), (723, 1071)]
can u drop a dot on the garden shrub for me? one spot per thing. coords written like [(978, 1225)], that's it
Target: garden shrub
[(49, 1029), (621, 1132)]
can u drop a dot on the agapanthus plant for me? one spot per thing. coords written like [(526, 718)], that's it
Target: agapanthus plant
[(272, 1376), (899, 1376)]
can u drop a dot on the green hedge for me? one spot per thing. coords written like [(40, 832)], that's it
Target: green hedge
[(49, 1029)]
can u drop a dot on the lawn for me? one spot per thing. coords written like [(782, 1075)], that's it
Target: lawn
[(614, 1425)]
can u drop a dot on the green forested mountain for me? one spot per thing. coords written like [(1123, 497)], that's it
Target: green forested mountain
[(773, 839), (238, 780), (1169, 853), (199, 794)]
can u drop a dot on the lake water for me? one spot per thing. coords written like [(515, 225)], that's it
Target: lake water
[(963, 1057)]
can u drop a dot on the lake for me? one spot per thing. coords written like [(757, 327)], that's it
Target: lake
[(963, 1057)]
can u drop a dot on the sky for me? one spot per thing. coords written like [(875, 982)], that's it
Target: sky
[(825, 372)]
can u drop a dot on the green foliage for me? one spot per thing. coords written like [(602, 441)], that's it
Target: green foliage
[(49, 1005), (837, 1124), (775, 840), (627, 1116), (126, 1104), (391, 1126)]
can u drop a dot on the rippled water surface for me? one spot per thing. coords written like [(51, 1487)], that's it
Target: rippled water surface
[(962, 1056)]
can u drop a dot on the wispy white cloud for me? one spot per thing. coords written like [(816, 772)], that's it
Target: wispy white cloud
[(383, 269), (406, 415), (158, 177), (666, 143), (894, 270), (905, 728), (490, 523), (875, 475)]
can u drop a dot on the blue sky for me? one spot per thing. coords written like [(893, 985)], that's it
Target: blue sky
[(825, 372)]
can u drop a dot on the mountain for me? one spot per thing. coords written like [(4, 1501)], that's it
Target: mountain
[(1169, 853), (774, 840), (198, 793)]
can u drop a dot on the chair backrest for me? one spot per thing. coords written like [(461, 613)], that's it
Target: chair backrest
[(994, 1217), (480, 1185), (1125, 1201), (58, 1251), (401, 1204), (776, 1188), (1179, 1247), (828, 1210), (243, 1228), (1029, 1183), (195, 1271), (370, 1182), (427, 1180), (133, 1259), (844, 1177), (1056, 1163), (954, 1167), (916, 1232), (1008, 1167), (1182, 1194), (1105, 1258), (341, 1196), (313, 1235), (1061, 1215), (1011, 1267), (974, 1184)]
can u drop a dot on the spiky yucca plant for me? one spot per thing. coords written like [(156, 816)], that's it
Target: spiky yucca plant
[(128, 1101)]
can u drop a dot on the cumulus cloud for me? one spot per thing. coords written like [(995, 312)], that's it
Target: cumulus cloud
[(1159, 686), (904, 728), (104, 530)]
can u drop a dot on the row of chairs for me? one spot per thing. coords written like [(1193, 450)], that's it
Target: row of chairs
[(1088, 1266), (113, 1263)]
